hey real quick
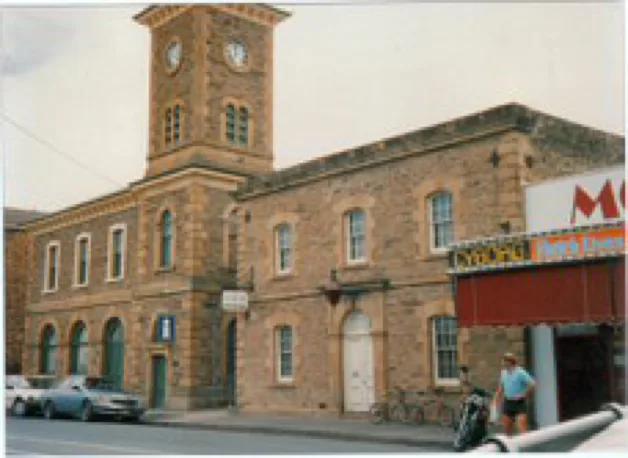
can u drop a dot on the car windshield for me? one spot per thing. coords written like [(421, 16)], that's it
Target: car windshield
[(95, 383)]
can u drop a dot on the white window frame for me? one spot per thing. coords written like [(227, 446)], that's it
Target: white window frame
[(280, 354), (49, 245), (77, 259), (279, 248), (110, 254), (435, 353), (433, 197), (350, 236)]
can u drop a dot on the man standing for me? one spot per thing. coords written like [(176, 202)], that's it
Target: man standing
[(515, 384)]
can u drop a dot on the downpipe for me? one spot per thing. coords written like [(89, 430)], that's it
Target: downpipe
[(501, 443)]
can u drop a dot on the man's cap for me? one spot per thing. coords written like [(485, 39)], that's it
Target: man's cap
[(510, 357)]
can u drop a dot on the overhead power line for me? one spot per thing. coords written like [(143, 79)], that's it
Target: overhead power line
[(51, 147)]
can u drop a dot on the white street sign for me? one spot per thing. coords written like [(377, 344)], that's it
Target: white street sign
[(235, 301)]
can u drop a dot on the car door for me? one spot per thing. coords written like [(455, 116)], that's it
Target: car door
[(61, 397), (75, 398)]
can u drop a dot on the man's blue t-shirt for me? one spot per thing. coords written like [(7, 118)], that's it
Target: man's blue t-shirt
[(515, 382)]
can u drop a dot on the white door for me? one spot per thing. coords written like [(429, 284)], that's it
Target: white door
[(358, 363)]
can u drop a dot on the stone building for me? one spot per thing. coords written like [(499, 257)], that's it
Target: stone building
[(379, 218), (15, 284), (129, 284)]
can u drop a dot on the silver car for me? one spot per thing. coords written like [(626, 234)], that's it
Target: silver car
[(23, 393), (86, 397)]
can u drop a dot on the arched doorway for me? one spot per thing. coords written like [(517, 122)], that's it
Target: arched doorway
[(113, 362), (49, 345), (358, 374), (79, 350), (232, 338)]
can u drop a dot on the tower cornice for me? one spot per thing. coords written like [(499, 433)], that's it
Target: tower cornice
[(157, 15)]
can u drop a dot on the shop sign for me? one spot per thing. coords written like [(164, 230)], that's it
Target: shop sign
[(492, 254), (235, 301), (601, 242), (597, 197)]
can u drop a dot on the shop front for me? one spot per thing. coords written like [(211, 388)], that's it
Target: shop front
[(566, 284)]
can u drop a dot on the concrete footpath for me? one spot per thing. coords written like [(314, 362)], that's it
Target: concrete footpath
[(428, 436)]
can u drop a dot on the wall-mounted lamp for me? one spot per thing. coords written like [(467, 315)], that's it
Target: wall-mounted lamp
[(334, 290)]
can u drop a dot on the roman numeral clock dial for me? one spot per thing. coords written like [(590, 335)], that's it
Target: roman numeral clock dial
[(237, 54)]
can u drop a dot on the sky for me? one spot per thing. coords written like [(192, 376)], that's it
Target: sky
[(76, 80)]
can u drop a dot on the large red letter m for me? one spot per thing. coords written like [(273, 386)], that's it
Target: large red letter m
[(605, 199)]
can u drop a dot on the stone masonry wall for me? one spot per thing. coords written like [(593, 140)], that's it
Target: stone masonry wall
[(15, 252), (487, 198)]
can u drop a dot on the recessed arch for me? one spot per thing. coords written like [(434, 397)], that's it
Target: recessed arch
[(113, 348), (79, 349), (49, 343)]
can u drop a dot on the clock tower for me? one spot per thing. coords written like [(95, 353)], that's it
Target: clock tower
[(211, 83)]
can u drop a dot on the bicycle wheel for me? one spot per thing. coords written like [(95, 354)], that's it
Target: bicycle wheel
[(398, 413), (446, 416), (377, 411), (417, 415)]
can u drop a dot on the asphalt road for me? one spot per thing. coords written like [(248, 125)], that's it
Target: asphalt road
[(39, 437)]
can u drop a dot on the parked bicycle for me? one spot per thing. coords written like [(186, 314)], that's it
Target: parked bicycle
[(414, 407), (394, 408), (434, 409)]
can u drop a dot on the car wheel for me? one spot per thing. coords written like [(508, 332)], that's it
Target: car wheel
[(18, 409), (49, 411), (86, 411)]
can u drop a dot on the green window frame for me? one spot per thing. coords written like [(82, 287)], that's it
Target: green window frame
[(166, 239), (49, 348), (79, 350)]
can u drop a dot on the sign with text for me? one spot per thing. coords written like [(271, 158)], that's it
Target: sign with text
[(235, 301), (166, 327), (602, 242), (581, 200), (491, 254)]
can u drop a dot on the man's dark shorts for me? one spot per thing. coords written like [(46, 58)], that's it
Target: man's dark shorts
[(514, 407)]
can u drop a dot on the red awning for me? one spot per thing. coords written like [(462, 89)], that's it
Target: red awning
[(583, 292)]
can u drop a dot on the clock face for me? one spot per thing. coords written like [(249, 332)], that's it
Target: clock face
[(236, 51), (173, 55)]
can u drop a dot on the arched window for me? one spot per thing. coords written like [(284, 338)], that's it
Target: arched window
[(283, 240), (445, 348), (79, 350), (243, 126), (355, 225), (49, 345), (441, 221), (173, 125), (177, 124), (231, 121), (284, 352), (237, 124), (165, 243), (113, 361)]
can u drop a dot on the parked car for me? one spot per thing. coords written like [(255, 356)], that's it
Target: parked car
[(23, 393), (87, 397)]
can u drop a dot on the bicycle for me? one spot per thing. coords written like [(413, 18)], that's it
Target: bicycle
[(444, 415), (396, 408)]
